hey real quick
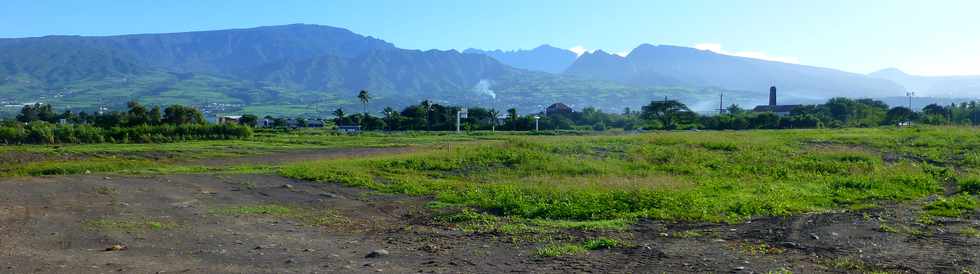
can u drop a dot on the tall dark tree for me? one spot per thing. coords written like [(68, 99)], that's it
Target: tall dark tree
[(427, 106), (339, 113), (666, 112), (155, 116), (898, 115), (365, 97), (249, 120), (181, 115), (512, 116), (137, 114)]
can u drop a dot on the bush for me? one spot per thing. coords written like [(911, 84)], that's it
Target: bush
[(970, 185), (45, 133)]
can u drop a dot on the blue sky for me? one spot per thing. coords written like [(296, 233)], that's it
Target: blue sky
[(924, 37)]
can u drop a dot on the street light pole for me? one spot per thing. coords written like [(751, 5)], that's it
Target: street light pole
[(910, 94), (536, 118)]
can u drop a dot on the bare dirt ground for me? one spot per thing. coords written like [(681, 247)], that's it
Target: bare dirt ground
[(46, 227)]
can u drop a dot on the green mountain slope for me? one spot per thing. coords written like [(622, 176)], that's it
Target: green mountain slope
[(288, 70)]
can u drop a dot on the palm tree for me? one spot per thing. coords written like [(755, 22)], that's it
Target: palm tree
[(340, 114), (365, 97), (428, 120), (493, 119), (389, 117), (513, 117)]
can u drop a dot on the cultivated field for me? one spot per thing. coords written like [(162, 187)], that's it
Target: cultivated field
[(781, 201)]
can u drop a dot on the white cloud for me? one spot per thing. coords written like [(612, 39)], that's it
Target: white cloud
[(716, 48), (579, 50)]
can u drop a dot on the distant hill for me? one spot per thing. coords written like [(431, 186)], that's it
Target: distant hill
[(290, 69), (303, 69), (947, 86), (649, 65), (542, 58)]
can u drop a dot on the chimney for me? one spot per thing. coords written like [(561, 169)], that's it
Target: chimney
[(772, 96)]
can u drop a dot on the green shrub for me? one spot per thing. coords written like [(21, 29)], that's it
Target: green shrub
[(46, 133), (601, 243), (970, 185), (558, 250), (953, 207)]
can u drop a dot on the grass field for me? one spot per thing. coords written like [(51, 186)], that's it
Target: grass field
[(32, 160), (878, 200), (684, 176)]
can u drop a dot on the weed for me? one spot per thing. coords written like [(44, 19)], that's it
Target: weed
[(952, 207), (106, 190), (558, 250), (128, 225), (687, 234), (661, 176), (900, 229), (854, 265), (970, 185), (970, 232), (760, 249), (313, 217), (601, 243)]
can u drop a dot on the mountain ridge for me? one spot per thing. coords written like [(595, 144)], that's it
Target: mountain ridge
[(960, 85)]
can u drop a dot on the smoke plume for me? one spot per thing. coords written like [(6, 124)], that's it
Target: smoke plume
[(483, 87)]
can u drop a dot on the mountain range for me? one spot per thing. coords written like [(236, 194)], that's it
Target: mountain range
[(940, 86), (305, 69), (542, 58)]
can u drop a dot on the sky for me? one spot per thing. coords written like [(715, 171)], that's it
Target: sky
[(939, 37)]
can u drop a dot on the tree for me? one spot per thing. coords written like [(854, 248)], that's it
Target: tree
[(898, 115), (137, 114), (37, 112), (512, 116), (155, 117), (390, 117), (665, 112), (734, 109), (249, 120), (427, 106), (339, 113), (365, 97), (493, 119), (181, 115)]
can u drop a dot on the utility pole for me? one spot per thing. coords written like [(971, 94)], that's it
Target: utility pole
[(461, 113), (910, 94), (721, 103)]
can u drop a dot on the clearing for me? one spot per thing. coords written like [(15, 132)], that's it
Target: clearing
[(792, 201)]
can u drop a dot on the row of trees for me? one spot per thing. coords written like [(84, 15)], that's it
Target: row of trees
[(666, 114), (835, 113), (39, 124), (136, 115)]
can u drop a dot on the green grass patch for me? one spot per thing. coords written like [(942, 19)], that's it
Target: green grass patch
[(559, 250), (970, 232), (900, 229), (129, 225), (970, 185), (688, 234), (680, 176), (602, 243), (757, 249), (309, 216), (953, 207), (853, 265)]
